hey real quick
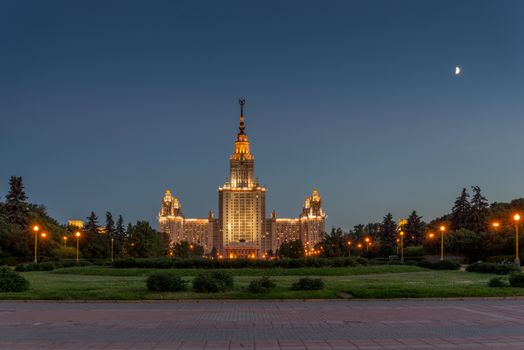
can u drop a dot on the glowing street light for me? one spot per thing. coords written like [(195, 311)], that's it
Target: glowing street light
[(495, 225), (43, 235), (65, 241), (349, 248), (402, 246), (367, 244), (77, 235), (516, 217), (442, 229), (35, 229)]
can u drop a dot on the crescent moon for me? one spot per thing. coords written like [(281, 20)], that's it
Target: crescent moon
[(457, 70)]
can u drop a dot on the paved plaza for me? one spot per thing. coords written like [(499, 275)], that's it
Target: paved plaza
[(397, 324)]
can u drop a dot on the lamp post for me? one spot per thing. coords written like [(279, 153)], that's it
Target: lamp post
[(35, 229), (442, 229), (495, 225), (402, 247), (77, 234), (367, 245), (112, 245), (349, 248), (359, 249), (516, 217), (65, 241)]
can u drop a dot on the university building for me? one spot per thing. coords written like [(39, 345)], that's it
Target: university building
[(242, 229)]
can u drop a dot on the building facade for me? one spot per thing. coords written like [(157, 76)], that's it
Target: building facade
[(242, 229)]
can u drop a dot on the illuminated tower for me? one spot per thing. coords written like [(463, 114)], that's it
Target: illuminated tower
[(241, 202)]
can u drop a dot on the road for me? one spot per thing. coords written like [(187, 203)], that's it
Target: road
[(334, 325)]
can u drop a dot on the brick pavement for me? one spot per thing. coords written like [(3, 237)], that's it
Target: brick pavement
[(270, 325)]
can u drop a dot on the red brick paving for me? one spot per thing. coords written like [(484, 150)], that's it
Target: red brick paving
[(269, 325)]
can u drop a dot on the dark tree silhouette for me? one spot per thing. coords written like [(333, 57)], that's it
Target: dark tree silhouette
[(479, 212), (414, 229), (460, 211), (16, 208), (388, 230)]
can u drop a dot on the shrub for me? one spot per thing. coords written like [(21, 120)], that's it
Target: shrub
[(307, 283), (496, 282), (516, 279), (212, 282), (165, 281), (261, 285), (439, 265), (414, 251), (25, 267), (11, 281), (486, 267)]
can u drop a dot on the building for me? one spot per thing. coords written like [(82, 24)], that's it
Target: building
[(242, 229)]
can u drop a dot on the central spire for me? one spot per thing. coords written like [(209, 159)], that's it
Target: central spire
[(241, 102)]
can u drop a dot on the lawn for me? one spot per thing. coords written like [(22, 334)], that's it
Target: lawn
[(383, 281)]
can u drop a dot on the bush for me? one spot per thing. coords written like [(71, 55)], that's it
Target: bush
[(11, 281), (212, 282), (307, 283), (496, 282), (439, 265), (261, 285), (486, 267), (45, 266), (165, 281), (414, 251), (516, 279)]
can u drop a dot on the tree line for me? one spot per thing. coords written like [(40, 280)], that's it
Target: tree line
[(18, 216)]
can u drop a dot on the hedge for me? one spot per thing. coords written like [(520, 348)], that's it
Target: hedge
[(199, 263), (486, 267), (439, 265)]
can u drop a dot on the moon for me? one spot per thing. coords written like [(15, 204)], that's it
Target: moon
[(457, 70)]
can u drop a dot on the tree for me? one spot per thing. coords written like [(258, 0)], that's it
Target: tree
[(334, 244), (94, 244), (185, 249), (460, 211), (16, 208), (145, 242), (292, 249), (120, 236), (214, 253), (414, 229), (110, 225), (388, 230), (478, 215)]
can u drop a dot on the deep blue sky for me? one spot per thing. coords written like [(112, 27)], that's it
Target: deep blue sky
[(105, 104)]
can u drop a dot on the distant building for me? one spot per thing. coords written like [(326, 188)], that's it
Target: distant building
[(76, 223), (242, 229)]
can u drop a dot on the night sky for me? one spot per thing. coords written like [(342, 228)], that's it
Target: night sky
[(105, 104)]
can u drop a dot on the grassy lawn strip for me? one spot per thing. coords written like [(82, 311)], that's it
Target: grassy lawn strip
[(277, 271), (396, 283)]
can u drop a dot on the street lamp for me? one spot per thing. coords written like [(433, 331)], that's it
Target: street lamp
[(442, 229), (495, 225), (349, 248), (112, 245), (516, 217), (65, 241), (402, 246), (367, 244), (35, 229), (77, 234)]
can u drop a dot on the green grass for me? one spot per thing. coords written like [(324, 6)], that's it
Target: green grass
[(384, 281)]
